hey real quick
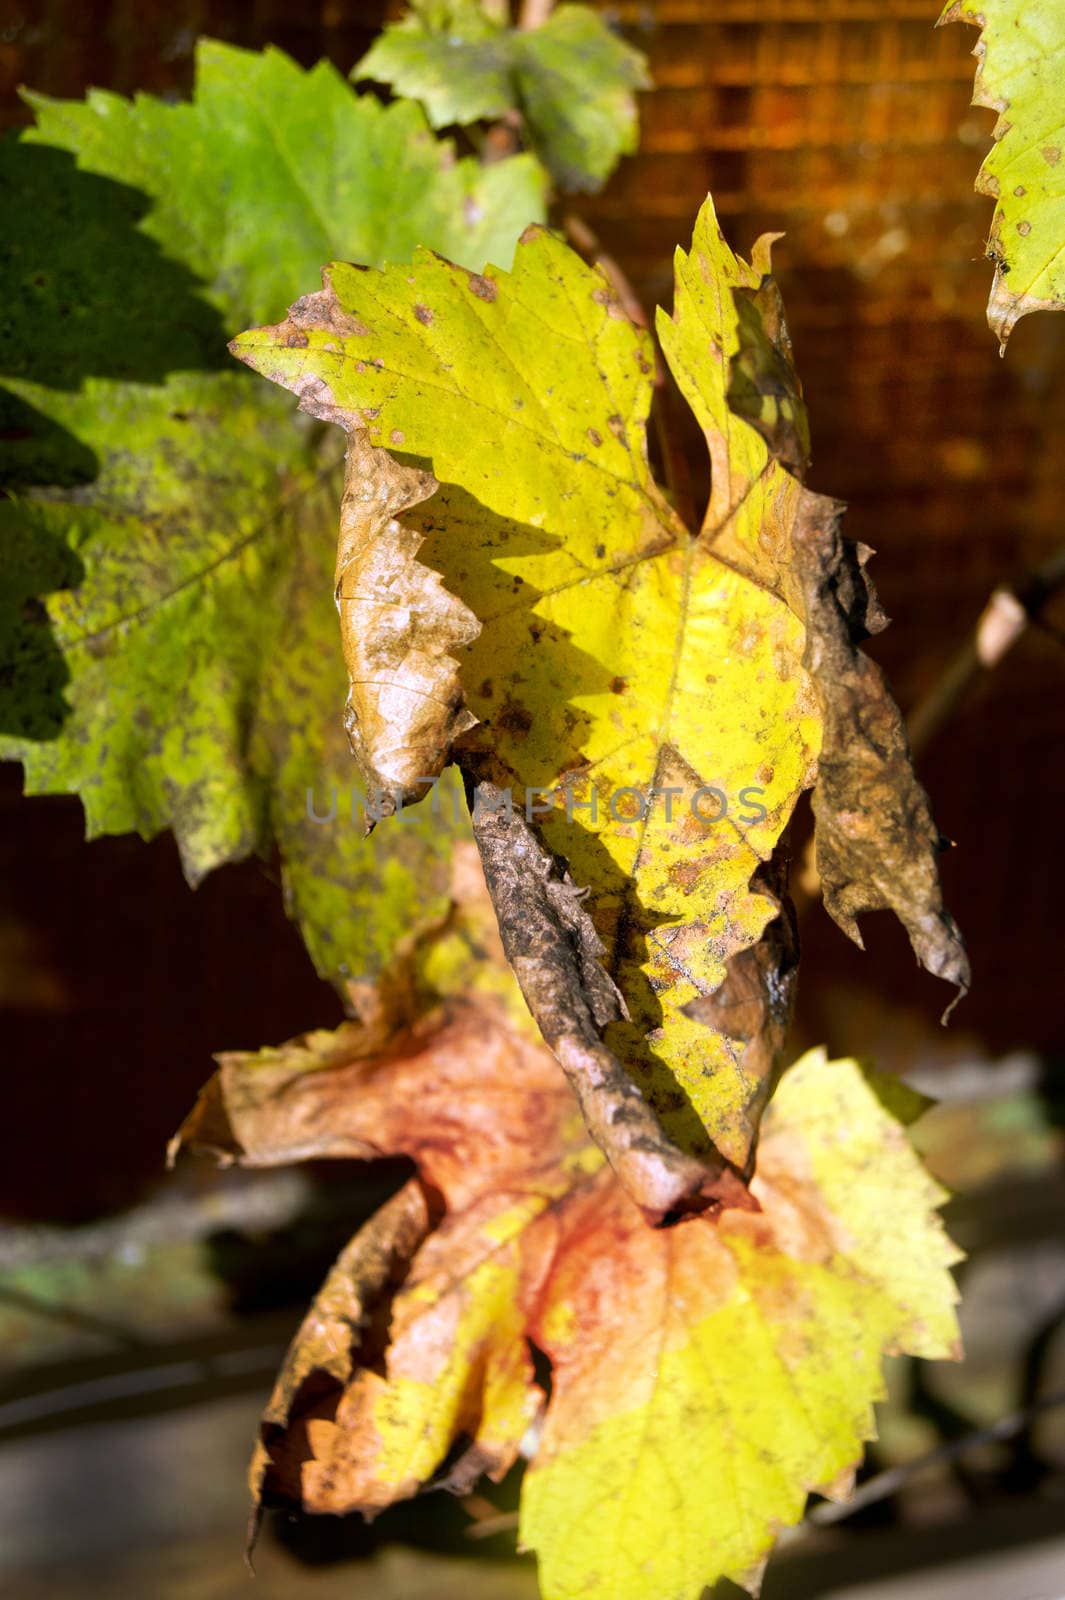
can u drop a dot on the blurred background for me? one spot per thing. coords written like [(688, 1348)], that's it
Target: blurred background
[(141, 1317)]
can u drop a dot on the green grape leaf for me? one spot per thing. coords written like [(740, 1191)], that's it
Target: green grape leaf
[(452, 58), (192, 676), (571, 79)]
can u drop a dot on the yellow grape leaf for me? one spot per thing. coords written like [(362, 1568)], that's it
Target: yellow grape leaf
[(642, 691), (1019, 75), (876, 840)]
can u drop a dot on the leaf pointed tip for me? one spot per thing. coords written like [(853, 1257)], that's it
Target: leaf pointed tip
[(952, 12), (251, 346), (762, 252)]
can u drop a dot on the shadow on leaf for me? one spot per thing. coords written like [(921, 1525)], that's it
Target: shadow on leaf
[(33, 673), (84, 294)]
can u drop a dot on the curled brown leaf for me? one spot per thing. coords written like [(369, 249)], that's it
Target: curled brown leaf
[(344, 1331), (555, 952), (876, 841), (398, 626)]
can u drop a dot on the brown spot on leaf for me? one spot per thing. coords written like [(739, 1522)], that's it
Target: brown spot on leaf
[(424, 315), (482, 287), (600, 551), (1051, 154), (613, 307), (297, 341), (1024, 229), (685, 875), (514, 718), (322, 310), (397, 436), (1020, 191), (596, 438), (618, 685)]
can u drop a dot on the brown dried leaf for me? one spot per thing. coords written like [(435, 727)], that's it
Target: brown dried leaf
[(344, 1331), (876, 840), (398, 625)]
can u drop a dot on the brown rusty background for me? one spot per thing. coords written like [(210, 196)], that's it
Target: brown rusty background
[(846, 124)]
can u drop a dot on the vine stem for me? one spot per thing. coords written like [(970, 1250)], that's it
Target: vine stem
[(503, 138), (887, 1483), (534, 13), (1010, 610)]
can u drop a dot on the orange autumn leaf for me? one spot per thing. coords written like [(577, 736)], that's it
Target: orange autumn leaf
[(704, 1377)]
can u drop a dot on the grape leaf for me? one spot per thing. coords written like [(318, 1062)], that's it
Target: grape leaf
[(451, 56), (704, 1378), (571, 79), (1018, 75), (192, 676), (876, 841), (676, 687), (575, 83)]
